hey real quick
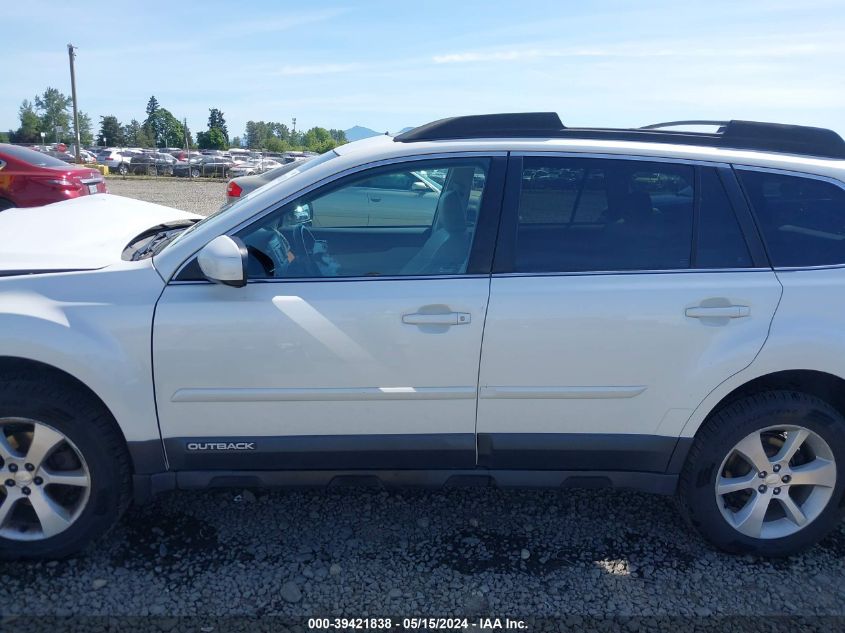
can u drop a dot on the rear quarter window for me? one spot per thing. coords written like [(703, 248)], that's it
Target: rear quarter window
[(802, 219)]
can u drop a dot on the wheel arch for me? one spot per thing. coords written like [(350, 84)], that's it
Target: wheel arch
[(144, 457), (822, 384)]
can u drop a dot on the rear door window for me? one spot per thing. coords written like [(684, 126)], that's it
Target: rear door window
[(588, 214), (802, 219)]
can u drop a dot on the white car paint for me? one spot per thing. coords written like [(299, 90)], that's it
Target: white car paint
[(312, 358), (614, 353), (330, 357), (82, 233)]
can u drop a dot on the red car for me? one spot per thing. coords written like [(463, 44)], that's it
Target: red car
[(30, 179)]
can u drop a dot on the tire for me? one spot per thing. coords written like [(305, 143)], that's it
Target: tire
[(92, 446), (773, 421), (5, 204), (195, 173), (122, 169)]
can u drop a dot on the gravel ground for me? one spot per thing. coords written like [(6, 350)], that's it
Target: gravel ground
[(198, 196), (575, 555), (451, 552)]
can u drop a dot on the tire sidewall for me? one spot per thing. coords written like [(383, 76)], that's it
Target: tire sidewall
[(799, 410), (103, 505)]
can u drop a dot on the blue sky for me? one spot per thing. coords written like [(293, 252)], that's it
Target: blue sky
[(390, 64)]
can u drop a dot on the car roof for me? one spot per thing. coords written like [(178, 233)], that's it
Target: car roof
[(385, 147)]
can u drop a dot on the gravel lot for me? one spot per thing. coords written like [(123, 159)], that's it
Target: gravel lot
[(201, 196), (576, 555), (462, 551)]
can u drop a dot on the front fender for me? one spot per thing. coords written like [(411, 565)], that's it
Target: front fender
[(95, 326)]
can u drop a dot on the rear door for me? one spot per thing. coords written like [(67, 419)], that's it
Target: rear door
[(624, 291)]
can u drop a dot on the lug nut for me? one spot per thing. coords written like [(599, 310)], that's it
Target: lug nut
[(776, 491), (29, 467), (38, 481), (10, 483), (13, 468), (25, 490), (786, 479), (762, 488), (762, 474), (776, 468)]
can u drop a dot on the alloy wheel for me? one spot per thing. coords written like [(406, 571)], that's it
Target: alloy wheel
[(45, 480), (775, 481)]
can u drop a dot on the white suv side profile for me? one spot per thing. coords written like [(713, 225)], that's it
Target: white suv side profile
[(652, 308)]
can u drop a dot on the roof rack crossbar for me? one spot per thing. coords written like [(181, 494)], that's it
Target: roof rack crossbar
[(742, 135)]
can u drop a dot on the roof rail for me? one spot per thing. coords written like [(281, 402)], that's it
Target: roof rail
[(512, 125), (658, 126), (742, 135)]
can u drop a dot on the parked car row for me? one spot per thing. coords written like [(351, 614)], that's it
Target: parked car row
[(180, 162)]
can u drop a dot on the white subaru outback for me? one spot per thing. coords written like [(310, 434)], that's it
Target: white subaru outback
[(658, 309)]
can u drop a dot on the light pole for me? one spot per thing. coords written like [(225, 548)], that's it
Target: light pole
[(71, 55)]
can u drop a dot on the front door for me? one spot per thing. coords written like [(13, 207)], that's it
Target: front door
[(351, 347), (632, 293)]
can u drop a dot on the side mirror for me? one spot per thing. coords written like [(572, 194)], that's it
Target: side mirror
[(419, 187), (223, 260)]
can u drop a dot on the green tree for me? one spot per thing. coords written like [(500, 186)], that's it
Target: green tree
[(318, 139), (86, 130), (4, 137), (30, 129), (213, 139), (236, 142), (111, 131), (152, 105), (164, 129), (134, 135), (274, 144), (53, 111), (216, 120)]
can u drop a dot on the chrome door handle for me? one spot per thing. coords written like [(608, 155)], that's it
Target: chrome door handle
[(718, 312), (447, 318)]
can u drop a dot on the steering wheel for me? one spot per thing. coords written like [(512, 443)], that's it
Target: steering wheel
[(302, 236)]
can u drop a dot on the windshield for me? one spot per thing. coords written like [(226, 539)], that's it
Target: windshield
[(285, 173), (32, 157)]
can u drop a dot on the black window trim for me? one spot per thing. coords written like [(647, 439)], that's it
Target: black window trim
[(484, 241), (744, 215), (505, 254), (782, 172)]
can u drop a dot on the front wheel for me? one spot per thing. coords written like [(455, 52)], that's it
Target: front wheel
[(765, 474), (65, 471), (122, 169)]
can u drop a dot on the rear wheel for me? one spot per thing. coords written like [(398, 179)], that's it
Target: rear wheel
[(65, 471), (195, 172), (765, 475)]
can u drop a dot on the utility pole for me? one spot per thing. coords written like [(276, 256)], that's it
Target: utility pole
[(71, 55), (187, 146)]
